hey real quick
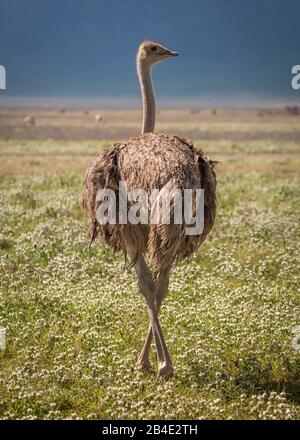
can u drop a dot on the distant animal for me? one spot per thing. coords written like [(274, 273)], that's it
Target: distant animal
[(151, 161), (29, 121), (293, 110), (98, 118)]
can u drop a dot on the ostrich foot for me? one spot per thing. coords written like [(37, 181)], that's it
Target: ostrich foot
[(143, 364), (165, 371)]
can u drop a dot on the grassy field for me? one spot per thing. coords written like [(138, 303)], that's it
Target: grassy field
[(74, 319)]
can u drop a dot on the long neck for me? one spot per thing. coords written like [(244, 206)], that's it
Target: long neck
[(144, 74)]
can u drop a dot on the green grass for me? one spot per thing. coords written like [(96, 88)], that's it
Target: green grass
[(59, 147), (75, 322)]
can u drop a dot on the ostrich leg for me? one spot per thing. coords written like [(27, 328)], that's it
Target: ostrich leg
[(147, 288), (162, 285)]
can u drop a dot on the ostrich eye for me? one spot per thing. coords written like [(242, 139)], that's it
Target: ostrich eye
[(153, 48)]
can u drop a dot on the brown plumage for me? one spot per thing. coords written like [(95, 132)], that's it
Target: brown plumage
[(151, 161)]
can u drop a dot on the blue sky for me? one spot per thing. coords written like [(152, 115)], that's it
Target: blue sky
[(230, 50)]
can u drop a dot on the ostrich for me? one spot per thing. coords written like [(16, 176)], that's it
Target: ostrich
[(149, 161), (98, 118), (28, 120)]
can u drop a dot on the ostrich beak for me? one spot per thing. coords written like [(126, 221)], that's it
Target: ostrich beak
[(169, 53)]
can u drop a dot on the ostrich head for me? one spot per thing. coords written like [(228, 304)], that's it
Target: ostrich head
[(152, 52), (149, 53)]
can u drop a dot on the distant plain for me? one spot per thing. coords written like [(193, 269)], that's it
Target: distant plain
[(74, 320)]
